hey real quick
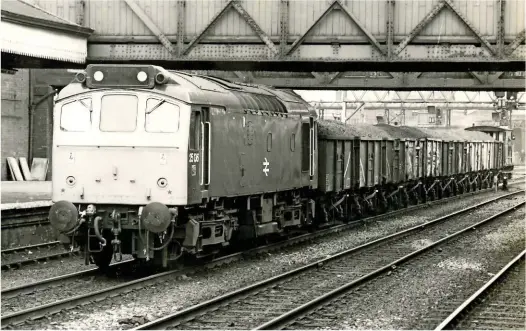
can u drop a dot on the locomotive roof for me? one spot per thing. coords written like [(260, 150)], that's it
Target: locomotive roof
[(208, 90), (205, 89)]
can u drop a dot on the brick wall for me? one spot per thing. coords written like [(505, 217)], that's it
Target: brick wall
[(15, 117), (42, 134)]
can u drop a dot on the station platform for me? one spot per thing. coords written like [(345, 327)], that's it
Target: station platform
[(16, 195)]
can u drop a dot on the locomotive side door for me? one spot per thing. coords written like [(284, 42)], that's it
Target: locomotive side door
[(308, 150), (195, 161), (206, 136)]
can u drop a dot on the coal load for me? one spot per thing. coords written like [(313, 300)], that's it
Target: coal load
[(336, 129), (441, 133)]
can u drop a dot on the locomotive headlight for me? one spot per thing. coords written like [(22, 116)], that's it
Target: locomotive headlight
[(162, 182), (98, 76), (142, 76), (71, 181)]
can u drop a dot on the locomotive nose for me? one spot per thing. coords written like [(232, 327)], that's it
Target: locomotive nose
[(63, 216), (156, 217)]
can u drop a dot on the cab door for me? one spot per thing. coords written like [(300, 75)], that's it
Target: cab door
[(194, 158), (206, 136)]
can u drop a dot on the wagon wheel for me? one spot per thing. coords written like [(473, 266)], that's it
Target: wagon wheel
[(383, 204), (395, 201), (433, 194), (414, 197), (467, 186), (455, 188), (404, 198), (423, 194)]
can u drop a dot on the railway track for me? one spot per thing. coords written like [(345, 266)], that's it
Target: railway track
[(15, 218), (48, 283), (498, 304), (23, 262), (30, 248), (280, 300), (51, 308), (36, 258)]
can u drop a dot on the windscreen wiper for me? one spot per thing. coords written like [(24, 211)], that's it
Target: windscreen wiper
[(156, 106), (90, 108)]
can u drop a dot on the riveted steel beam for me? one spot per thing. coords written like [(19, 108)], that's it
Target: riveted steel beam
[(283, 26), (203, 32), (478, 77), (500, 28), (474, 30), (422, 24), (390, 27), (337, 5), (325, 78), (365, 31), (150, 24), (486, 77), (181, 15), (516, 42), (255, 27), (301, 38), (310, 57), (234, 4), (398, 81)]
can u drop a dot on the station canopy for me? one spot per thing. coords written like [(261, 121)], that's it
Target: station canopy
[(31, 36)]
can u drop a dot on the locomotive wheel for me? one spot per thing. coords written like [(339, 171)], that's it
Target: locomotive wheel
[(103, 259)]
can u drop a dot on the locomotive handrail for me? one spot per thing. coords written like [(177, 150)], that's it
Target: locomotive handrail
[(202, 181), (209, 150)]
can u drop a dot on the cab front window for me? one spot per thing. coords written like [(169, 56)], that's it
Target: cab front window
[(75, 116), (118, 113), (161, 116)]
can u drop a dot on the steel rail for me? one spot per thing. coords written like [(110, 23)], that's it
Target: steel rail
[(20, 263), (449, 322), (8, 293), (32, 287), (294, 240), (286, 318), (51, 308), (55, 307), (16, 218), (30, 247), (196, 310)]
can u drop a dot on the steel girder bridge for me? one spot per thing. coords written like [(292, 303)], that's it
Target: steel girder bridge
[(315, 44)]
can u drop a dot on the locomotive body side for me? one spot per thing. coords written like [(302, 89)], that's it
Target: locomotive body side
[(176, 163)]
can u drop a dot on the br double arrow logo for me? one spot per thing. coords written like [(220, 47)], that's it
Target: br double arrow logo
[(265, 167)]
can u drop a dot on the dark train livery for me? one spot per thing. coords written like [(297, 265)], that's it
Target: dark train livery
[(158, 164)]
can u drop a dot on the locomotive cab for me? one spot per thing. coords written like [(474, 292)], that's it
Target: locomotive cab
[(120, 152)]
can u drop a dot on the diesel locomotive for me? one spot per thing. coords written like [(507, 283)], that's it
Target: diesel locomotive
[(160, 164)]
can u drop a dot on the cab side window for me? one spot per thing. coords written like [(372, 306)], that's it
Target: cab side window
[(195, 130)]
